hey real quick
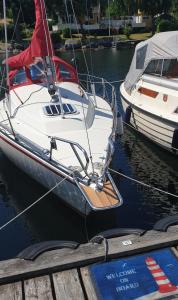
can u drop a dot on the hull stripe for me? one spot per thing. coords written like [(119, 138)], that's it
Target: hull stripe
[(25, 152)]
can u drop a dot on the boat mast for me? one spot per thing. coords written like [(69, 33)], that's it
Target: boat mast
[(6, 58), (49, 65), (48, 62)]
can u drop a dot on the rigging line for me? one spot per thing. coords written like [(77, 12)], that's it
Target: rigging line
[(4, 88), (43, 20), (34, 203), (88, 141), (51, 45), (15, 27), (32, 93), (118, 81), (71, 1), (2, 80), (91, 60), (73, 50), (6, 56), (142, 183), (26, 32), (22, 103), (46, 17), (17, 96)]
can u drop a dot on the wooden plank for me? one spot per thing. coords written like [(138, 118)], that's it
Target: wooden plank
[(101, 199), (11, 291), (67, 285), (88, 284), (85, 254), (38, 289)]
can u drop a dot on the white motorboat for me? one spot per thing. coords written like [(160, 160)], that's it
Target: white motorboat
[(55, 130), (149, 92)]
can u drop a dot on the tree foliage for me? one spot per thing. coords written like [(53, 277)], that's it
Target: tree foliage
[(113, 8), (165, 25)]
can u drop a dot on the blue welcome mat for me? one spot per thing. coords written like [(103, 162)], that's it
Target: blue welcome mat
[(152, 275)]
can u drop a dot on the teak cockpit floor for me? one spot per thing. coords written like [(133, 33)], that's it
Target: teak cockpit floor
[(101, 199)]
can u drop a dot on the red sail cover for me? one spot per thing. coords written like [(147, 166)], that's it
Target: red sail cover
[(41, 44)]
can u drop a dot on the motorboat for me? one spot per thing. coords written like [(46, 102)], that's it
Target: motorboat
[(149, 92), (56, 127)]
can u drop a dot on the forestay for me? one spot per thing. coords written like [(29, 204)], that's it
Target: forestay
[(162, 45)]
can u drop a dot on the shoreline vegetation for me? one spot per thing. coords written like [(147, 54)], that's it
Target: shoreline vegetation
[(86, 41)]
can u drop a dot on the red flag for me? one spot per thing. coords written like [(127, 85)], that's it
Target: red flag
[(41, 44)]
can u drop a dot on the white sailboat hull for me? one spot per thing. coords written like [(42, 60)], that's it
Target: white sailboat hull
[(158, 130), (46, 175), (50, 125)]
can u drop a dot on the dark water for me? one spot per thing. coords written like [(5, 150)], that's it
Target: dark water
[(134, 156)]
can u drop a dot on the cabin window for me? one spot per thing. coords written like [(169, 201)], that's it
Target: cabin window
[(155, 67), (20, 77), (55, 109), (140, 57), (170, 68), (163, 67), (36, 71), (64, 72)]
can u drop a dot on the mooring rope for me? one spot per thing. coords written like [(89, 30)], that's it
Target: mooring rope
[(34, 203), (142, 183)]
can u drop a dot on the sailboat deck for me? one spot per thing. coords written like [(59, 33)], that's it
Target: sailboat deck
[(31, 122), (102, 199)]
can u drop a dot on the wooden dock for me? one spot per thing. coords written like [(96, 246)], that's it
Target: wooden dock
[(64, 274)]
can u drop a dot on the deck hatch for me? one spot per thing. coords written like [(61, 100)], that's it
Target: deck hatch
[(55, 109)]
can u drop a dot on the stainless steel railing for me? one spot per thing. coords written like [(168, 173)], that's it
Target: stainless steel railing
[(96, 86), (74, 146)]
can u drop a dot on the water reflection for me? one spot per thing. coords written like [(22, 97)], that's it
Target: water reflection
[(146, 162), (48, 220)]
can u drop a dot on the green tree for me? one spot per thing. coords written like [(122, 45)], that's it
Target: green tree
[(127, 31), (174, 8), (165, 25), (112, 10)]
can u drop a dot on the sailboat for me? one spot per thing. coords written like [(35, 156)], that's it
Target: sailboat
[(57, 131)]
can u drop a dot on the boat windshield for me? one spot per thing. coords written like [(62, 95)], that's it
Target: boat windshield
[(64, 72), (37, 71), (20, 77), (163, 67)]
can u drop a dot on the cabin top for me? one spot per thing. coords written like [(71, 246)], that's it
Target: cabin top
[(161, 47)]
